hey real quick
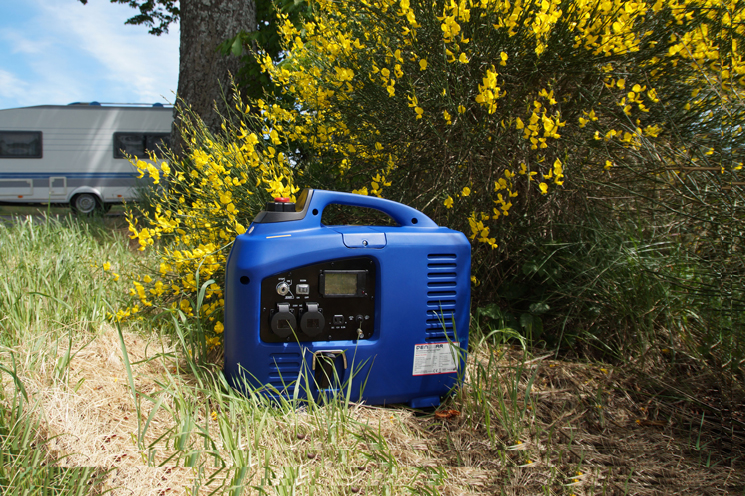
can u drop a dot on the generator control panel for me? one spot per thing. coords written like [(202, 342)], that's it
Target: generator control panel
[(329, 301)]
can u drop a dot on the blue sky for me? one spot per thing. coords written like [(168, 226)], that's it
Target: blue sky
[(61, 51)]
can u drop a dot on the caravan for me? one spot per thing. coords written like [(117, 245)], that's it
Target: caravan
[(77, 153)]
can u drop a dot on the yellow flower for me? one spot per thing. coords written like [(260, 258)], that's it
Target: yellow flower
[(219, 328), (544, 188), (466, 191), (106, 266), (461, 109), (185, 306), (463, 58), (423, 64), (448, 202)]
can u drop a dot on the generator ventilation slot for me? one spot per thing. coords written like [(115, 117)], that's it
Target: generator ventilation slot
[(284, 370), (441, 296)]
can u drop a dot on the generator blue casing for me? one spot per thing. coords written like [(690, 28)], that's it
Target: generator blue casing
[(375, 313)]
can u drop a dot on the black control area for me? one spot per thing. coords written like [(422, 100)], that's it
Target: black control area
[(327, 301)]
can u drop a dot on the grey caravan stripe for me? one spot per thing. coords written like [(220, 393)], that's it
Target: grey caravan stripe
[(93, 182), (73, 182)]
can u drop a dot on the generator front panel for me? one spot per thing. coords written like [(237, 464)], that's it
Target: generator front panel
[(329, 301)]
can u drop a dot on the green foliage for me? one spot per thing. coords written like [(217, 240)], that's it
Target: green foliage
[(627, 290), (250, 79)]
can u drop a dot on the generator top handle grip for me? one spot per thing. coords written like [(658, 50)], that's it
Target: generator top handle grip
[(402, 214)]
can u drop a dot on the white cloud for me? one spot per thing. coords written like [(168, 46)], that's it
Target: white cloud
[(11, 86), (65, 51), (17, 92), (20, 44), (131, 58)]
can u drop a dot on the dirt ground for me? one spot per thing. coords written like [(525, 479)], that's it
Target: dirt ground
[(582, 429)]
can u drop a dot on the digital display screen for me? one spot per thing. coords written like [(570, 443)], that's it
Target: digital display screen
[(340, 283)]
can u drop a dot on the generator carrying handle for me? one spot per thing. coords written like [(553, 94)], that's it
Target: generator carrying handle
[(402, 214)]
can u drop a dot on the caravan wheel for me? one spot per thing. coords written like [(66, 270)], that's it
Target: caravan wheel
[(84, 203)]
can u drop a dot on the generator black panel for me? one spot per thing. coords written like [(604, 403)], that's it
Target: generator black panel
[(329, 301)]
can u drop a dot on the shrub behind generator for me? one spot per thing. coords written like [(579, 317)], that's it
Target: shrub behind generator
[(369, 313)]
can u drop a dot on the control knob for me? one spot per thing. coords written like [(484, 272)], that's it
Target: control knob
[(283, 288)]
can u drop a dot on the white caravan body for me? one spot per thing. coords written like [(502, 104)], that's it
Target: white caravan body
[(76, 153)]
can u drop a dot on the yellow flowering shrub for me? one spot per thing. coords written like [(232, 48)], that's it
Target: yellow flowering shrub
[(482, 113), (476, 109), (201, 202)]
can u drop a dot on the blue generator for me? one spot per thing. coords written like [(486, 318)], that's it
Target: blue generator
[(368, 313)]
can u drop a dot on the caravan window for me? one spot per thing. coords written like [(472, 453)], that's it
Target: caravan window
[(156, 142), (20, 144), (138, 144)]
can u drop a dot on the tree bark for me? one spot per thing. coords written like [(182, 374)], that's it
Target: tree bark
[(204, 73)]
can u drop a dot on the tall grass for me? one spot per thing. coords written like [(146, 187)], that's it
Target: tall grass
[(51, 277), (53, 292), (624, 288), (515, 412)]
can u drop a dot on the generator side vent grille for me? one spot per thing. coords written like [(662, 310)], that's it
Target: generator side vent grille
[(441, 296), (284, 369)]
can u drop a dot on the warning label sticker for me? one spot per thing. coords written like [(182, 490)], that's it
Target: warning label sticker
[(435, 358)]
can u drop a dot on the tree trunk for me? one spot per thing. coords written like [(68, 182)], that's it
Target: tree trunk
[(204, 73)]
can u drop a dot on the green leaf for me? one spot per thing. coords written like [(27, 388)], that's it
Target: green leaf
[(237, 48), (532, 324), (491, 311), (539, 308), (526, 322), (530, 268)]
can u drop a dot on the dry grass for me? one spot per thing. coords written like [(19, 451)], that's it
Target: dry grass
[(583, 430), (90, 418), (589, 429)]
